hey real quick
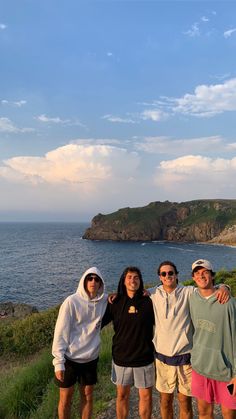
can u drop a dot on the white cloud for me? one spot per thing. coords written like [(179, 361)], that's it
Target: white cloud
[(2, 26), (229, 33), (193, 31), (17, 103), (231, 146), (153, 115), (208, 101), (6, 125), (221, 77), (97, 141), (167, 145), (55, 120), (81, 180), (195, 176), (73, 163), (112, 118), (109, 54), (205, 19)]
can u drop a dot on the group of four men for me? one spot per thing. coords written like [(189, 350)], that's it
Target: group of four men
[(185, 320)]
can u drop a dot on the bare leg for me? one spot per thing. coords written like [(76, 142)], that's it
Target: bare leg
[(64, 405), (166, 407), (228, 413), (205, 409), (86, 401), (122, 401), (185, 406), (145, 403)]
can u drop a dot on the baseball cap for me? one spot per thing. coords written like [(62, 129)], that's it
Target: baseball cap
[(202, 263)]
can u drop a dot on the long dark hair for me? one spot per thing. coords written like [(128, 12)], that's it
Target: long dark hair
[(121, 290)]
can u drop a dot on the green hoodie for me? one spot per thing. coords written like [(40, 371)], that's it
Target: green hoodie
[(214, 340)]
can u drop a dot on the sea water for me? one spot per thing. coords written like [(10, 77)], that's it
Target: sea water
[(41, 263)]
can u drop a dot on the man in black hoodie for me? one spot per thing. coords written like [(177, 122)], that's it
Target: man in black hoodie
[(132, 349)]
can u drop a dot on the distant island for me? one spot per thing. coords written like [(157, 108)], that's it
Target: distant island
[(208, 221)]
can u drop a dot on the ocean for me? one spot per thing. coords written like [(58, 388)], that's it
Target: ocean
[(41, 263)]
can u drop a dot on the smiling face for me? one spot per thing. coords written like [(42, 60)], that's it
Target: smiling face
[(203, 278), (168, 277), (132, 283)]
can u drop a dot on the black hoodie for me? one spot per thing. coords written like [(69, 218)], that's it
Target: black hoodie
[(133, 321)]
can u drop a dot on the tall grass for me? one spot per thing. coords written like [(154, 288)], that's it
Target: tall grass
[(23, 391), (30, 392)]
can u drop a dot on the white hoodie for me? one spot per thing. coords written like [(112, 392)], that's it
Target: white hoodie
[(173, 326), (77, 331)]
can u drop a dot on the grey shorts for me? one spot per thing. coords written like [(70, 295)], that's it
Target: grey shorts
[(140, 377)]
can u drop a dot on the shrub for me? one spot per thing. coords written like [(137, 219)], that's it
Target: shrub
[(29, 335)]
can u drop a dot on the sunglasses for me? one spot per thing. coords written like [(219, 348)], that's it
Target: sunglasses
[(170, 273), (91, 277)]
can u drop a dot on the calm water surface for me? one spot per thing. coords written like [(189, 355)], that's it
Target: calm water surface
[(41, 263)]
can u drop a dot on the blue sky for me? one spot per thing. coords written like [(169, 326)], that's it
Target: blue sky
[(108, 104)]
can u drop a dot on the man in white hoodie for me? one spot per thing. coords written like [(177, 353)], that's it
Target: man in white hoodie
[(76, 343)]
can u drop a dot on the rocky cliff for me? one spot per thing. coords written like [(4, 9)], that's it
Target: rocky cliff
[(200, 220)]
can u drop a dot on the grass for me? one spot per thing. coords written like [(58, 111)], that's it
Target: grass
[(23, 387), (30, 392)]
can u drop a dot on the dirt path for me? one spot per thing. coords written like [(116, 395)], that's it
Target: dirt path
[(110, 413)]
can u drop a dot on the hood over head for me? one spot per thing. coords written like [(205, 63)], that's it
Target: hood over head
[(81, 288)]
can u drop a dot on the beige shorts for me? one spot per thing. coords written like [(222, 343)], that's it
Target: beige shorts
[(169, 377)]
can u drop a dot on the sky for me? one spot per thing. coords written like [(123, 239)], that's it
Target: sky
[(111, 104)]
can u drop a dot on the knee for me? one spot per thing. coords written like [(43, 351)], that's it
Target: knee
[(146, 398), (65, 402), (65, 398), (87, 394), (166, 400), (122, 396), (204, 408), (185, 403)]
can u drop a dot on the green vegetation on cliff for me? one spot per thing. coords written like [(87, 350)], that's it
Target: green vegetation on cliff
[(200, 220)]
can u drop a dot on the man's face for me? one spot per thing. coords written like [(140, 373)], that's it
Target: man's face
[(168, 276), (92, 284), (132, 281), (203, 278)]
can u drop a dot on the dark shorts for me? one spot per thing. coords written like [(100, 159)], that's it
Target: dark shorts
[(85, 374)]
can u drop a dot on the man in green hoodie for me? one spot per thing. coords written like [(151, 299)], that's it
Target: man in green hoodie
[(213, 356)]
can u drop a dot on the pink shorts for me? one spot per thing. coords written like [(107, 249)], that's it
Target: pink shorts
[(212, 391)]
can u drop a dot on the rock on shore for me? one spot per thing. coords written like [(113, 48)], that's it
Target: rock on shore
[(16, 310)]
